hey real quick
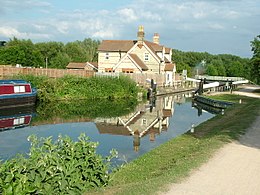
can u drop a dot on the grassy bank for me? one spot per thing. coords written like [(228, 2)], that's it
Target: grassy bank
[(174, 160)]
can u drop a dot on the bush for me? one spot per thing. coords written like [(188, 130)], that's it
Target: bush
[(61, 167), (72, 87)]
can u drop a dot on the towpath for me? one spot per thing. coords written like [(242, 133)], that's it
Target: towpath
[(234, 169)]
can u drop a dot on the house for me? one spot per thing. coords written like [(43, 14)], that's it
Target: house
[(83, 66), (137, 56)]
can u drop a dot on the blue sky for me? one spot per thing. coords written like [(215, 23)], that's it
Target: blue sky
[(214, 26)]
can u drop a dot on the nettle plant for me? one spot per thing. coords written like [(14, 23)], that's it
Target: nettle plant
[(56, 167)]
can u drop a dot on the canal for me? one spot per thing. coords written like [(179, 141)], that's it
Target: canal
[(129, 127)]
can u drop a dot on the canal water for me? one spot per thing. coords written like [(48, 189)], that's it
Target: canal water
[(130, 128)]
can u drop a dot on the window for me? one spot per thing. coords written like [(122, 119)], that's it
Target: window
[(107, 56), (146, 57), (19, 121), (127, 70), (19, 89), (109, 70)]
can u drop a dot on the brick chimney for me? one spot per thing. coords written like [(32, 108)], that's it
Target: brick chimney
[(156, 38), (140, 35)]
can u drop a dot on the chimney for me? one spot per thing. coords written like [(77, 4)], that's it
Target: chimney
[(156, 38), (140, 35)]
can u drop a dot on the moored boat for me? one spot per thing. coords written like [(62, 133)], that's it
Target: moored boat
[(15, 93)]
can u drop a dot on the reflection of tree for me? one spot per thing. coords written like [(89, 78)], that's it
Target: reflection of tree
[(82, 110)]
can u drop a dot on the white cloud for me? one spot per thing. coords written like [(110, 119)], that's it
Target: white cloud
[(23, 5), (10, 32), (39, 27), (127, 15), (231, 14), (104, 34), (216, 26), (62, 27)]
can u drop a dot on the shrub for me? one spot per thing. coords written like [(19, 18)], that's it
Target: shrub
[(60, 167), (72, 87)]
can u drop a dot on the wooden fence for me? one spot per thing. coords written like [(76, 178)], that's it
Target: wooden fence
[(6, 72), (140, 78)]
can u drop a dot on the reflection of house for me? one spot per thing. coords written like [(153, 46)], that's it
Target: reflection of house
[(152, 119), (136, 56)]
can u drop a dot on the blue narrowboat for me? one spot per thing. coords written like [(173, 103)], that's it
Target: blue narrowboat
[(15, 93)]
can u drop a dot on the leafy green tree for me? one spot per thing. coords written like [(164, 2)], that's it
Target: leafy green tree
[(75, 52), (236, 69), (91, 47), (60, 61), (255, 60), (48, 51), (221, 70), (211, 70)]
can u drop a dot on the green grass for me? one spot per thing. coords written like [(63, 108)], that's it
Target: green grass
[(174, 160)]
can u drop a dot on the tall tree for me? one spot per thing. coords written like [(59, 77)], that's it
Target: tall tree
[(211, 70), (255, 60)]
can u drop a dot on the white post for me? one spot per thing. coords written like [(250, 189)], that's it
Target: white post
[(46, 65), (192, 128)]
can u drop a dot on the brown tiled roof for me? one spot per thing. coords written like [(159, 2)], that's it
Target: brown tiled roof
[(139, 61), (154, 46), (167, 50), (169, 67), (95, 64), (116, 45), (76, 65)]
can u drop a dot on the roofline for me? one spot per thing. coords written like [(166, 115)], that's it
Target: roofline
[(89, 64), (122, 59)]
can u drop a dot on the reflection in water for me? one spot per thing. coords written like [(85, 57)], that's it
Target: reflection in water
[(12, 118), (200, 107), (151, 118), (134, 131)]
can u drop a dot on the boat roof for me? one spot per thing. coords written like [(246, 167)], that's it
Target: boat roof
[(13, 82)]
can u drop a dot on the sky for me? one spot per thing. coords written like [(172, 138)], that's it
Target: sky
[(213, 26)]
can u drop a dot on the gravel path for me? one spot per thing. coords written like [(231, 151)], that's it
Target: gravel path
[(234, 169)]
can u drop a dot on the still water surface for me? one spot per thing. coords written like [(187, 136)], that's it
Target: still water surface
[(132, 133)]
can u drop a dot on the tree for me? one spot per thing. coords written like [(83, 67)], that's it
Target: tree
[(236, 69), (19, 52), (255, 60), (75, 52), (211, 70), (49, 50), (61, 60)]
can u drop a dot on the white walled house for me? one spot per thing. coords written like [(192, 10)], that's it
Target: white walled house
[(137, 56)]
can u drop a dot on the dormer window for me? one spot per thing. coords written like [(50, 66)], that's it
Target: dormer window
[(107, 56), (146, 57)]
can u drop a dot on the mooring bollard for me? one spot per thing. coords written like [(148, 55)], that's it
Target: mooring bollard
[(192, 128)]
